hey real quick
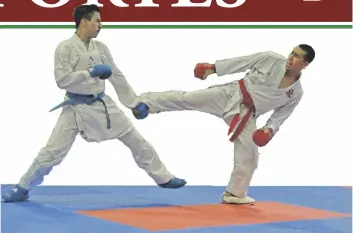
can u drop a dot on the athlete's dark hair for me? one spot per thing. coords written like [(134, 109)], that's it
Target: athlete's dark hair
[(309, 52), (84, 12)]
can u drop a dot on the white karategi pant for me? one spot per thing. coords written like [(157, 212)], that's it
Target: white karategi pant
[(90, 122), (222, 101)]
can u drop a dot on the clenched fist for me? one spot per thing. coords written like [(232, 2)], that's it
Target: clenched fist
[(262, 136), (203, 70)]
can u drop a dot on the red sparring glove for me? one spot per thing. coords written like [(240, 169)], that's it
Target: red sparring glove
[(261, 138), (202, 70)]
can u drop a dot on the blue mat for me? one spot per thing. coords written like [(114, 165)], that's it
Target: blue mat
[(51, 209)]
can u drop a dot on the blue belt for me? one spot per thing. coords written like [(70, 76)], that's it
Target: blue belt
[(84, 99)]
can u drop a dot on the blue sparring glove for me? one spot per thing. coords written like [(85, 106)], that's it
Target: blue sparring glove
[(101, 71), (140, 111)]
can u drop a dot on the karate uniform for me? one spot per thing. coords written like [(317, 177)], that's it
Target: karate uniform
[(72, 59), (267, 70)]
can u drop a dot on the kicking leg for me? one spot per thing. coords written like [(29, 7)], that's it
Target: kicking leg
[(58, 146), (147, 159), (212, 100), (245, 164)]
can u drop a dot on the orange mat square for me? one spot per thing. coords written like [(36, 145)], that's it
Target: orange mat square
[(213, 215)]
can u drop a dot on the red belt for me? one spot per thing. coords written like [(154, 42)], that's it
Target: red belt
[(247, 101)]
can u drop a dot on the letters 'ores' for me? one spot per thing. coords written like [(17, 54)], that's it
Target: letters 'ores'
[(146, 3)]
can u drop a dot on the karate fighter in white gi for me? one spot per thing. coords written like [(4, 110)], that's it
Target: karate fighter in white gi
[(272, 83), (81, 67)]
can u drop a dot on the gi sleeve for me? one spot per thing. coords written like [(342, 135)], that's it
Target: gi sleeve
[(281, 114), (65, 77), (126, 94), (241, 64)]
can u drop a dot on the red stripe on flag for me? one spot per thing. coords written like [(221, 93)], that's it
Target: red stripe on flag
[(249, 11)]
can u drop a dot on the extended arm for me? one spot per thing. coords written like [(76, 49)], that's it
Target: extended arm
[(65, 77), (240, 64), (234, 65), (280, 115), (126, 94)]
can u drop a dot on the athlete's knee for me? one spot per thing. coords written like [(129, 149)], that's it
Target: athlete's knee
[(186, 98), (133, 139), (51, 156), (139, 147), (246, 164), (201, 100)]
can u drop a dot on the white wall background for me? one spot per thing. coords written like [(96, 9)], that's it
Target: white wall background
[(311, 148)]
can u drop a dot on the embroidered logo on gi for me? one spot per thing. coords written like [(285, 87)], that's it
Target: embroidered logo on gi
[(91, 61), (290, 93)]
